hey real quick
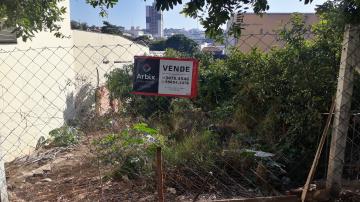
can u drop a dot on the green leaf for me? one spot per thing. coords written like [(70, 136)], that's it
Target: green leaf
[(143, 127)]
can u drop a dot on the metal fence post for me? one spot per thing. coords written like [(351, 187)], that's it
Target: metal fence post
[(160, 175), (3, 184), (342, 110)]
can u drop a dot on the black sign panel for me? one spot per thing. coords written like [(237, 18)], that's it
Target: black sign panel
[(146, 75), (157, 76)]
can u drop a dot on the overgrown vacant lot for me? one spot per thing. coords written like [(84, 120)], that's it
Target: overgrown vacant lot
[(252, 131), (78, 171), (67, 168), (69, 174)]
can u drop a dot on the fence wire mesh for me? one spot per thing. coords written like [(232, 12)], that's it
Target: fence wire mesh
[(62, 93), (59, 91), (342, 173)]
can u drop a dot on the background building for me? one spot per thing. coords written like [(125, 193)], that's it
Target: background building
[(154, 21), (195, 34), (262, 31), (135, 31)]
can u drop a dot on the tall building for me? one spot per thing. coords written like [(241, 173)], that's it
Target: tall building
[(154, 21)]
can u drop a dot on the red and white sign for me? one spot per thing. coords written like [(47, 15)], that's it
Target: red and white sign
[(159, 76)]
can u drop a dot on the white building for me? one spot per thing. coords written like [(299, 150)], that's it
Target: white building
[(37, 78), (135, 32), (154, 21), (197, 35), (215, 50)]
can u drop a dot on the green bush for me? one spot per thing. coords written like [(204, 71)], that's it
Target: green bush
[(64, 136), (177, 42), (271, 101), (119, 82), (131, 152), (194, 150)]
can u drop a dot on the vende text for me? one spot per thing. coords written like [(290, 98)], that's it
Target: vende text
[(171, 68)]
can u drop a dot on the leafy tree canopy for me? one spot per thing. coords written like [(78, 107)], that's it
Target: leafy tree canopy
[(31, 16), (79, 25), (347, 11), (145, 40), (177, 42), (110, 28)]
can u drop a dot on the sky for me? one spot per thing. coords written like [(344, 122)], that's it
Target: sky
[(129, 13)]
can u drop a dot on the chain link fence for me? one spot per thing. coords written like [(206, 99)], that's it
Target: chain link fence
[(343, 164), (245, 172), (65, 136), (58, 93)]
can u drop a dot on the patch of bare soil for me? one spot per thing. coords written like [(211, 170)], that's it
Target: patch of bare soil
[(69, 174)]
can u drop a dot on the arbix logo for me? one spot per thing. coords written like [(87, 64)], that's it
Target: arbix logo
[(146, 68)]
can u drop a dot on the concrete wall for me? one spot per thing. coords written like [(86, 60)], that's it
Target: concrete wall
[(33, 89), (102, 52), (41, 81), (96, 54)]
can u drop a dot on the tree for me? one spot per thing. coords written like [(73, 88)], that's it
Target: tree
[(145, 40), (219, 12), (110, 28), (75, 25), (347, 11), (29, 17), (177, 42), (103, 5), (84, 26), (158, 45), (212, 14), (80, 26), (181, 43)]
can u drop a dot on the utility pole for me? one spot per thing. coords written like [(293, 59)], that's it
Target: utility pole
[(342, 109)]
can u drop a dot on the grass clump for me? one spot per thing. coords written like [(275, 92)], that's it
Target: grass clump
[(64, 136)]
